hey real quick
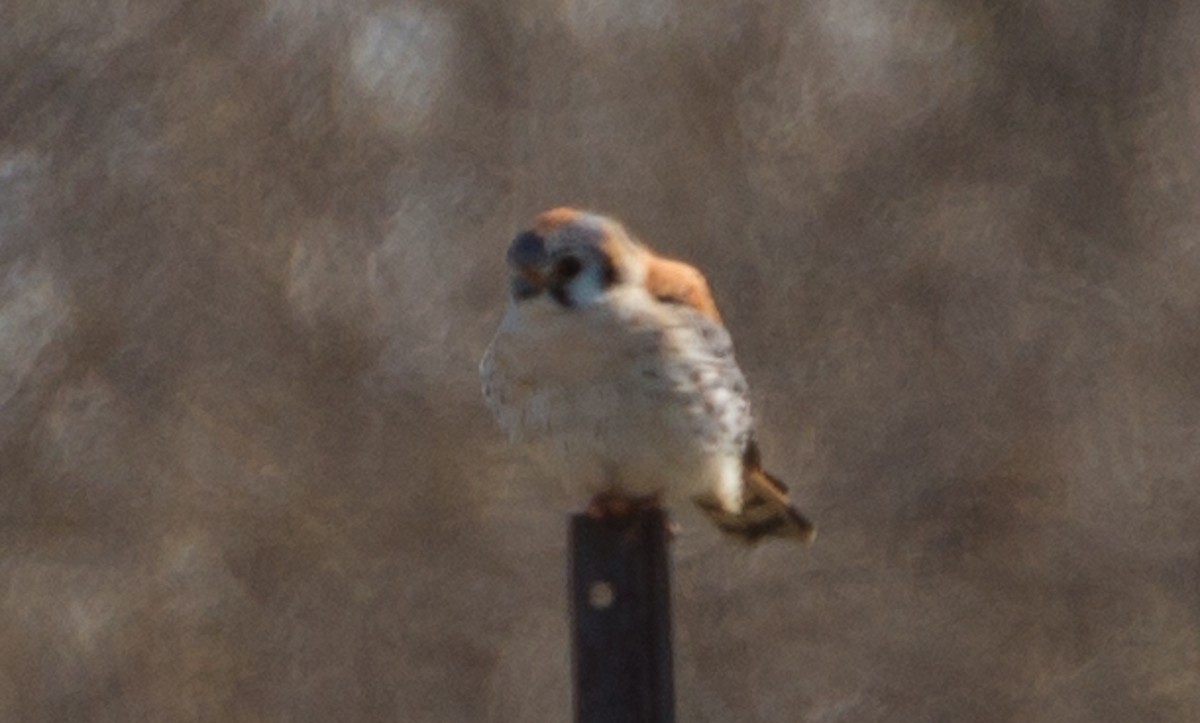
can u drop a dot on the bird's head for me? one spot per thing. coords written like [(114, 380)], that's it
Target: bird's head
[(577, 259), (573, 257)]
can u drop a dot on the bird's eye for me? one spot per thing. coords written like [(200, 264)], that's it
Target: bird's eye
[(568, 268)]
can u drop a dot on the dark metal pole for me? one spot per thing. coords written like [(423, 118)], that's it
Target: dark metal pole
[(621, 616)]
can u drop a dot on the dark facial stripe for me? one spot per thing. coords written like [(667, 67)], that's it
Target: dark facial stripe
[(559, 292), (610, 272)]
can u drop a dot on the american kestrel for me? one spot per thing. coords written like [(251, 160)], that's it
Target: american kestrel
[(612, 366)]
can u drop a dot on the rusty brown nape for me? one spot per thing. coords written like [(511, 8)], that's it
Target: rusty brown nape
[(680, 283)]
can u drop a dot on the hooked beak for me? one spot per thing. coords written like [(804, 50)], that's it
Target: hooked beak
[(532, 276), (527, 256)]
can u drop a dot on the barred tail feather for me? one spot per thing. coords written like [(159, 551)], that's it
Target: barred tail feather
[(767, 511)]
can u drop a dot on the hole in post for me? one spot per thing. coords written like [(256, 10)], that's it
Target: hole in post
[(601, 595)]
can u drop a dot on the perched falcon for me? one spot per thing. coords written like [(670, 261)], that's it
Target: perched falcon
[(612, 366)]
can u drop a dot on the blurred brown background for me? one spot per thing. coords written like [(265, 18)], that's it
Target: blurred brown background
[(251, 251)]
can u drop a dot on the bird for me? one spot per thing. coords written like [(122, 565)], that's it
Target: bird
[(612, 368)]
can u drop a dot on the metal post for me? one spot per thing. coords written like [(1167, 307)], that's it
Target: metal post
[(621, 615)]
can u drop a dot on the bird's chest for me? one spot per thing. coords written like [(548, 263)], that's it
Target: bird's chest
[(601, 431), (629, 399), (548, 376)]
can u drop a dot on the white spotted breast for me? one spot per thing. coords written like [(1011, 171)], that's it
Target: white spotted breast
[(634, 394)]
